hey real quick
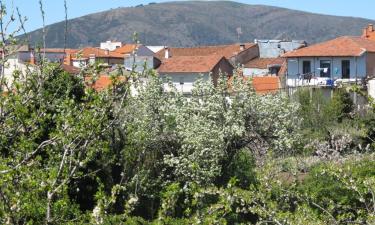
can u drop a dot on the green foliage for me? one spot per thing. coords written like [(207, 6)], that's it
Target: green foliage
[(137, 154), (319, 111), (242, 167), (342, 189), (52, 131), (340, 107)]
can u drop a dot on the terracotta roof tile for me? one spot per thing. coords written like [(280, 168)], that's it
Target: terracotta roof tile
[(221, 50), (126, 49), (70, 69), (100, 53), (184, 64), (103, 82), (342, 46), (263, 85), (263, 63), (59, 50)]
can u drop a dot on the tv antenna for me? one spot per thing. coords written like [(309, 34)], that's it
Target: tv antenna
[(239, 33)]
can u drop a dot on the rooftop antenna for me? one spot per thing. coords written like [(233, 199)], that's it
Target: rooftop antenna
[(239, 33)]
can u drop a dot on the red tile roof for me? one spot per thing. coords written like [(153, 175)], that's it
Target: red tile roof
[(263, 63), (221, 50), (261, 85), (59, 50), (194, 64), (342, 46), (99, 53), (70, 69), (264, 85), (103, 82), (126, 49)]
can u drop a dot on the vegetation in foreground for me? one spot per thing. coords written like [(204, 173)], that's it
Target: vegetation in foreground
[(71, 155)]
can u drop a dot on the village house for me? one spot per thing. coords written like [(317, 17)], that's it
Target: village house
[(140, 57), (269, 62), (369, 33), (110, 45), (183, 71), (236, 54), (22, 58), (260, 67), (91, 55), (331, 63), (183, 66)]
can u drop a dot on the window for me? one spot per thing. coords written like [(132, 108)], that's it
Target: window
[(181, 80), (306, 67), (345, 68), (325, 68)]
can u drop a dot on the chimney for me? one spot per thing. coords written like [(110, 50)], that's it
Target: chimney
[(32, 58), (242, 47), (370, 28), (68, 59), (364, 33), (106, 51), (166, 50)]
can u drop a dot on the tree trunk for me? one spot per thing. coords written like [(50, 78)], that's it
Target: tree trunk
[(48, 211)]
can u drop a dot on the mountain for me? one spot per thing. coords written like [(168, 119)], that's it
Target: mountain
[(194, 23)]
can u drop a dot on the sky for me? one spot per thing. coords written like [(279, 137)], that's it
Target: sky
[(54, 9)]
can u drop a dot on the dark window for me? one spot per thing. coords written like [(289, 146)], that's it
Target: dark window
[(306, 68), (325, 68), (345, 67)]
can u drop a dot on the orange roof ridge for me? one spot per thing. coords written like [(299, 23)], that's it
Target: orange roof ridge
[(100, 53), (340, 46), (223, 50), (194, 64)]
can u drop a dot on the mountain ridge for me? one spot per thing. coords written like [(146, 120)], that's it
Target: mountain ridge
[(192, 23)]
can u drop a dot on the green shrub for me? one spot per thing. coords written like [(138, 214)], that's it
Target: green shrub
[(339, 188), (242, 168)]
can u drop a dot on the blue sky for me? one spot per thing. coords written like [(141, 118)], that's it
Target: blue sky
[(55, 11)]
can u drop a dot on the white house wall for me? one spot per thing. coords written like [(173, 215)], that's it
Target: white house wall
[(12, 65), (361, 61), (254, 72), (187, 78), (79, 63), (357, 66), (371, 88)]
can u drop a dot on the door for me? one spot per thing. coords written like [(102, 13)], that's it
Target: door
[(325, 68), (345, 68), (306, 67)]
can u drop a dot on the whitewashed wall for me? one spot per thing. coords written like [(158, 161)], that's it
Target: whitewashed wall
[(254, 72), (12, 65), (371, 88), (188, 80), (357, 66)]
